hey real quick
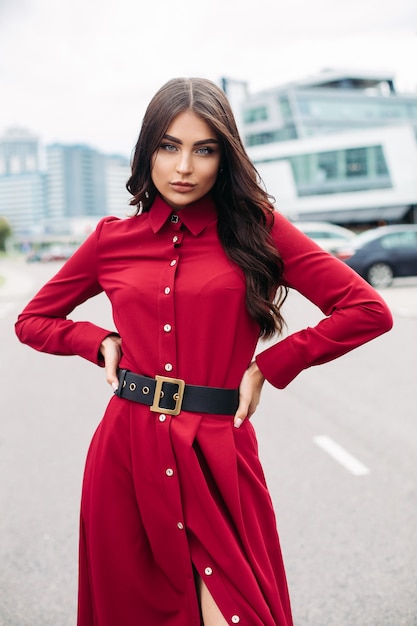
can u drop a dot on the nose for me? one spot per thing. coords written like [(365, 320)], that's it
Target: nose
[(184, 163)]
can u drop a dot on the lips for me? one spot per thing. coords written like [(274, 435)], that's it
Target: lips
[(182, 187)]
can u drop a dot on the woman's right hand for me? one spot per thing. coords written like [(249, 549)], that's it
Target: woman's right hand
[(111, 351)]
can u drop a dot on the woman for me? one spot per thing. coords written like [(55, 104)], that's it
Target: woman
[(177, 526)]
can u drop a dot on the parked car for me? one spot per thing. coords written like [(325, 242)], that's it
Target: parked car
[(53, 253), (328, 236), (381, 254)]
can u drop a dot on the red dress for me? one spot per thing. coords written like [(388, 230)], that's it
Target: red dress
[(163, 495)]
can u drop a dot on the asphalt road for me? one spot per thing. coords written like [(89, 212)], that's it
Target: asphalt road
[(339, 448)]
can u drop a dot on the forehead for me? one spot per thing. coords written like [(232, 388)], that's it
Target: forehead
[(189, 126)]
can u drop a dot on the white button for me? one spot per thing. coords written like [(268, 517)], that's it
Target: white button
[(167, 328), (174, 219), (208, 571), (235, 619), (175, 239), (169, 472), (180, 525), (167, 290), (173, 262), (168, 367), (162, 417)]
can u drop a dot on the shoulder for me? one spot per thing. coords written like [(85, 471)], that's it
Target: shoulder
[(287, 237), (111, 225)]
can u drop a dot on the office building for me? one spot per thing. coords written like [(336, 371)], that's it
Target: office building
[(117, 169), (339, 147), (76, 182), (76, 187), (22, 183)]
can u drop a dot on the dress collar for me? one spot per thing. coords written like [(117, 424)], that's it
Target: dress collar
[(196, 216)]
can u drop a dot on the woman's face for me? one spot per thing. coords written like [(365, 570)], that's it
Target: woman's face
[(186, 164)]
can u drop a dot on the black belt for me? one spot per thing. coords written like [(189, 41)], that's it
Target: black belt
[(171, 395)]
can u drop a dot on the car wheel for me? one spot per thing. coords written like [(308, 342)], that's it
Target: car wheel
[(380, 275)]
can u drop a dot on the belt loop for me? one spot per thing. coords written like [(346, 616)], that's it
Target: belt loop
[(121, 375)]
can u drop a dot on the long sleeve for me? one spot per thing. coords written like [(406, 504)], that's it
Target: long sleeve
[(133, 260), (44, 324), (355, 312)]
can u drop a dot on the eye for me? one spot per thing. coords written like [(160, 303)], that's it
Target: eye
[(169, 147), (205, 150)]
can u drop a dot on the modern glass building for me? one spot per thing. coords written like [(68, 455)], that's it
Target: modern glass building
[(117, 173), (340, 147), (76, 181), (73, 187), (22, 183)]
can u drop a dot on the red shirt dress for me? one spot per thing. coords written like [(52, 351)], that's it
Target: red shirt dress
[(165, 494)]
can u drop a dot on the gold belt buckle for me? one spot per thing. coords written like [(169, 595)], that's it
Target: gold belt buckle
[(178, 396)]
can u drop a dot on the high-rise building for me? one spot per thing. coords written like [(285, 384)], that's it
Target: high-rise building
[(76, 182), (117, 169), (22, 183), (19, 152), (78, 186)]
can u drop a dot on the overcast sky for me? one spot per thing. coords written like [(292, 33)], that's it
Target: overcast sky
[(84, 70)]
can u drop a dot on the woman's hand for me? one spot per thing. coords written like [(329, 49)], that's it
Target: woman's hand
[(111, 351), (249, 393)]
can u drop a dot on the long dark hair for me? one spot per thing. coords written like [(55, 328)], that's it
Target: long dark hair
[(244, 208)]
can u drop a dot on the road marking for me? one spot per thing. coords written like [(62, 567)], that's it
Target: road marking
[(342, 456)]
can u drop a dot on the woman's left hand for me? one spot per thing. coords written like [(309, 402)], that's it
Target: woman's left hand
[(249, 393)]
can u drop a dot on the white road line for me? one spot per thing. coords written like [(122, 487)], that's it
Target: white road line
[(342, 456)]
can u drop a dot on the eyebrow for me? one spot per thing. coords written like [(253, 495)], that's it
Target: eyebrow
[(203, 142)]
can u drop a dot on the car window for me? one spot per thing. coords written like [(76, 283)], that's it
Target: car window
[(321, 234), (400, 240), (317, 234)]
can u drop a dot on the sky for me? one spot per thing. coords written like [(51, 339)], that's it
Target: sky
[(83, 71)]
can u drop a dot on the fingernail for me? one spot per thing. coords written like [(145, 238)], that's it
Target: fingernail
[(238, 422), (114, 386)]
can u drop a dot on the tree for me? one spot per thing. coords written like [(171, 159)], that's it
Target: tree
[(5, 232)]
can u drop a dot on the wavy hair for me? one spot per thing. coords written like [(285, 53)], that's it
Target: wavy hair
[(245, 213)]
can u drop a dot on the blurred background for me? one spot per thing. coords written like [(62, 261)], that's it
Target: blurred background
[(325, 95)]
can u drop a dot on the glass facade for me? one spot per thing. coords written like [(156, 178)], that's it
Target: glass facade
[(285, 108), (321, 114), (270, 136), (307, 113), (271, 122), (23, 200), (77, 174), (344, 134), (339, 171), (19, 152), (22, 184), (255, 114)]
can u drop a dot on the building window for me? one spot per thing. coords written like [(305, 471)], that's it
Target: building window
[(340, 171), (412, 111), (356, 162), (378, 160), (322, 115), (327, 166), (282, 134), (256, 114), (285, 107)]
